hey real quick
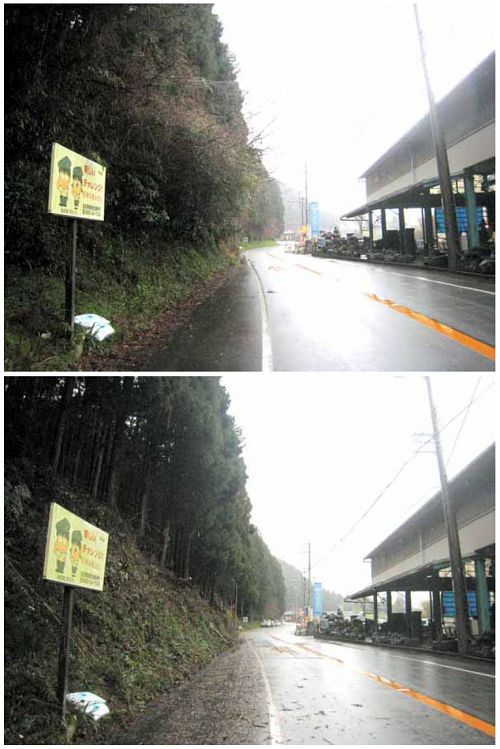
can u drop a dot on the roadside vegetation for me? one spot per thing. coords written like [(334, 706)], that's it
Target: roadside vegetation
[(259, 243), (133, 296), (156, 462), (150, 91)]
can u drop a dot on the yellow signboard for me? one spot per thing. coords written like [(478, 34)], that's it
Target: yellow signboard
[(77, 185), (75, 553)]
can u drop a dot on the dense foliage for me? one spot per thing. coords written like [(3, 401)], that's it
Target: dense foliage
[(296, 591), (148, 90), (145, 632), (157, 463), (165, 453), (265, 216)]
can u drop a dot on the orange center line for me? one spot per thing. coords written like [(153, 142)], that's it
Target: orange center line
[(456, 335), (452, 712)]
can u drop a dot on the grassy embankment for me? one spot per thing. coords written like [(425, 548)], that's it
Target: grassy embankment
[(132, 293), (143, 634), (259, 243)]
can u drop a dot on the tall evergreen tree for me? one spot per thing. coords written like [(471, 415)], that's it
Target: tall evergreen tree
[(165, 454)]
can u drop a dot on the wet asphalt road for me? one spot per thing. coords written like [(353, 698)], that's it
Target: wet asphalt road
[(290, 312), (329, 693), (224, 334), (276, 688)]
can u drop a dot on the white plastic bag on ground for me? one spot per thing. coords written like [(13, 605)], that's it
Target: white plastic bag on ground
[(88, 703), (97, 710), (99, 327)]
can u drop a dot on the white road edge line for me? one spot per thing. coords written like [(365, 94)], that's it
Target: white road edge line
[(444, 665), (386, 272), (428, 663), (433, 280), (274, 727), (267, 350)]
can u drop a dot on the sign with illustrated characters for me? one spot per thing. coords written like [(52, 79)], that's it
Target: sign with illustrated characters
[(75, 553), (77, 185)]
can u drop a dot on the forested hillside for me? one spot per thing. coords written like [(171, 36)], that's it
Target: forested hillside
[(296, 586), (156, 463), (150, 92)]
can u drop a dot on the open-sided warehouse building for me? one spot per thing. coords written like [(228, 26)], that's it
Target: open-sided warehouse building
[(406, 176), (415, 557)]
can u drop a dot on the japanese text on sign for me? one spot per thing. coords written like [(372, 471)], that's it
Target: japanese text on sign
[(77, 185), (75, 553)]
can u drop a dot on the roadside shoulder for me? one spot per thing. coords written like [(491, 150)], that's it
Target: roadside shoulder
[(224, 703)]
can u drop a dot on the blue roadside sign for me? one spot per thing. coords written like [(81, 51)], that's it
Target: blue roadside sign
[(317, 599), (315, 222)]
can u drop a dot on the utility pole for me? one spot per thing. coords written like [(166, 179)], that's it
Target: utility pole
[(307, 583), (301, 204), (307, 207), (450, 217), (309, 587), (457, 570)]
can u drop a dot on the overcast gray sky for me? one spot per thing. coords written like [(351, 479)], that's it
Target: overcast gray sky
[(335, 83), (320, 448)]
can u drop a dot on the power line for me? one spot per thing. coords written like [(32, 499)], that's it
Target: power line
[(372, 505), (463, 421), (400, 470)]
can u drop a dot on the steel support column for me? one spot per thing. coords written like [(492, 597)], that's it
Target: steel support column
[(482, 597), (471, 206), (428, 224), (375, 610), (437, 616), (388, 598), (402, 230), (408, 612), (370, 229), (383, 222)]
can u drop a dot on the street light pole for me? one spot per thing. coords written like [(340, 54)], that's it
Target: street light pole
[(450, 217), (457, 570)]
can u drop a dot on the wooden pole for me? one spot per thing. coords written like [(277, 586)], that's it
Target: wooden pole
[(457, 570), (306, 203), (71, 282), (64, 646), (450, 217)]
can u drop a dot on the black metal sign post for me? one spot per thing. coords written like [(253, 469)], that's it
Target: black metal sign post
[(64, 646), (71, 282), (87, 547)]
